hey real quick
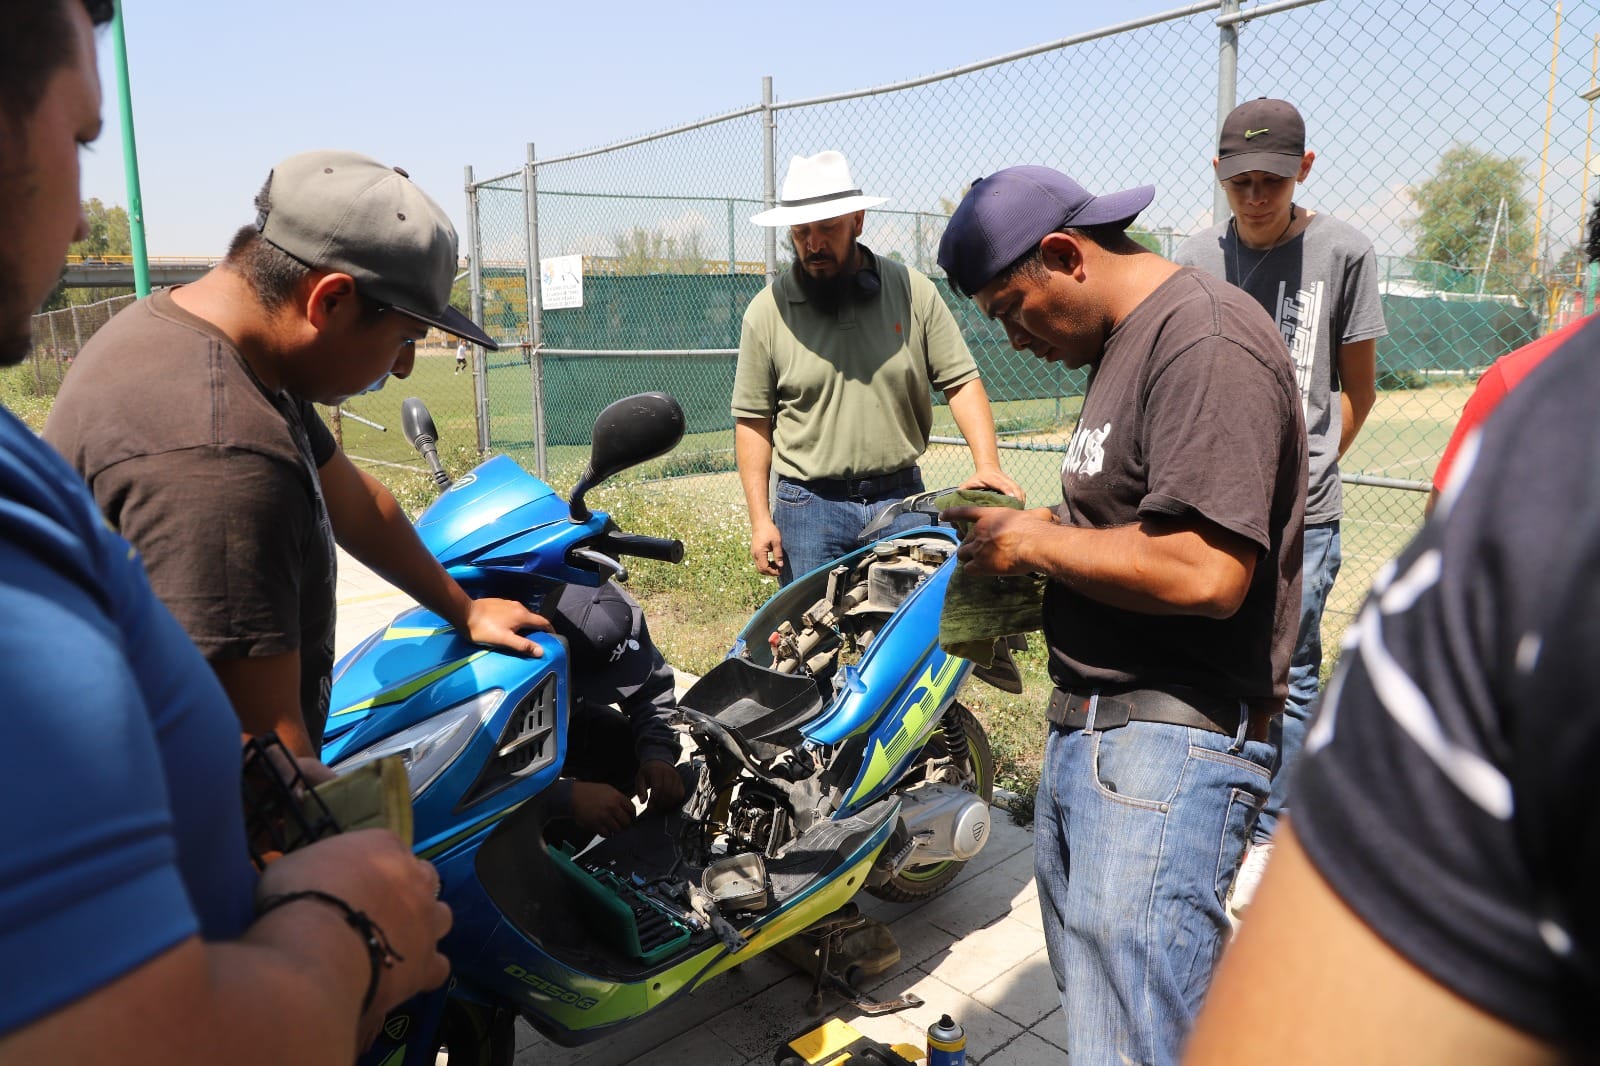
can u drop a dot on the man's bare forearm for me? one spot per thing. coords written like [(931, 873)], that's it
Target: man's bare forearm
[(752, 451), (969, 406)]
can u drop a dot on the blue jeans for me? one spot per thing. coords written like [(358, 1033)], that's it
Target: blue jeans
[(1139, 832), (817, 529), (1288, 736)]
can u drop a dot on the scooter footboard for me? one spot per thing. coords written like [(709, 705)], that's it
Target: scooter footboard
[(551, 944)]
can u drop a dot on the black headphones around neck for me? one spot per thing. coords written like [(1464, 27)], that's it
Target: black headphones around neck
[(867, 285)]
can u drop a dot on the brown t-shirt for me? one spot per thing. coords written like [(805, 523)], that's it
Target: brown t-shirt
[(214, 480), (1191, 413)]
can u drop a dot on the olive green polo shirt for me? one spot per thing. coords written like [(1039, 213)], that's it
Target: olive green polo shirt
[(850, 394)]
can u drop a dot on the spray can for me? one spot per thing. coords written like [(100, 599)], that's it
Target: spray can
[(947, 1043)]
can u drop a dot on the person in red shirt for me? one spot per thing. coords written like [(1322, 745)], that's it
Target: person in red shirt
[(1506, 374)]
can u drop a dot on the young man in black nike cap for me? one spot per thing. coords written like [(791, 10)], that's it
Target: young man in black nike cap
[(1318, 279)]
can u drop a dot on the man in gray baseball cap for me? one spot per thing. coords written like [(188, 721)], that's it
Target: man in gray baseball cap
[(340, 211), (191, 416)]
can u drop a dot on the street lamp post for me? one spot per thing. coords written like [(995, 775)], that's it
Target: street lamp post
[(1544, 156), (130, 159), (1591, 94)]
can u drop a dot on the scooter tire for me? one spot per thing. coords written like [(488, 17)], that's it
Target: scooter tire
[(474, 1035), (916, 883)]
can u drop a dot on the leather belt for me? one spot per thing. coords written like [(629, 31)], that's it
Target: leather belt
[(861, 487), (1191, 708)]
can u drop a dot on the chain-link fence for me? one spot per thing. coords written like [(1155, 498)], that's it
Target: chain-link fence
[(58, 336), (1454, 133)]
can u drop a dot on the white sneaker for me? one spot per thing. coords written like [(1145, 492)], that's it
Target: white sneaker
[(1248, 879)]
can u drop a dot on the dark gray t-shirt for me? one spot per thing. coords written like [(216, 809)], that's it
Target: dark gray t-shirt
[(1321, 288), (214, 480), (1191, 413), (1447, 791)]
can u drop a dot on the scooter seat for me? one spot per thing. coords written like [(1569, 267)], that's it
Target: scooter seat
[(762, 705)]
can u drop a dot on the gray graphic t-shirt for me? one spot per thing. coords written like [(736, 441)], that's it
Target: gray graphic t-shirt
[(1321, 288)]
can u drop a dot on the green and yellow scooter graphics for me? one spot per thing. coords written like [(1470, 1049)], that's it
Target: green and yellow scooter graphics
[(416, 649), (835, 894), (409, 687), (889, 751), (421, 691)]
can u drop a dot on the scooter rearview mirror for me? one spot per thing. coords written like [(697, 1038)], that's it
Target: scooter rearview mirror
[(628, 432), (416, 423)]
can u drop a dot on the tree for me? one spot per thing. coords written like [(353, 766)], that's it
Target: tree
[(109, 235), (949, 206), (926, 229), (652, 251), (1475, 223), (1571, 262), (109, 231)]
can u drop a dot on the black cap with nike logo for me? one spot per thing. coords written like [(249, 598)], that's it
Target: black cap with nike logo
[(1261, 134)]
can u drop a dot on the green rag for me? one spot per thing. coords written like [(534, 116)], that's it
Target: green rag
[(980, 610)]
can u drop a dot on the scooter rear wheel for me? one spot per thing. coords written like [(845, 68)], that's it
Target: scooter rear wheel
[(965, 737), (474, 1035)]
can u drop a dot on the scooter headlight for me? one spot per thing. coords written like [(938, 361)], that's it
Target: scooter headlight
[(428, 747)]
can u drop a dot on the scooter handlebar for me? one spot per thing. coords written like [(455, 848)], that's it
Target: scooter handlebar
[(661, 549)]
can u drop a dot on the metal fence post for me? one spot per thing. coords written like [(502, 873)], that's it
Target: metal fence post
[(769, 192), (530, 193), (1227, 93), (732, 256), (480, 385), (77, 334), (34, 359), (55, 343)]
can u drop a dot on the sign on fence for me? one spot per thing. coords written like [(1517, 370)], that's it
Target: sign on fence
[(561, 281)]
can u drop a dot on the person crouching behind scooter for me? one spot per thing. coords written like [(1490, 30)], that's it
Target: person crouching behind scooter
[(619, 744)]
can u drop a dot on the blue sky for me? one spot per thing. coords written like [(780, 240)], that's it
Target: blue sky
[(222, 91), (1387, 88)]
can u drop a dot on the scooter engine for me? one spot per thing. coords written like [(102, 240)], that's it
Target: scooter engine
[(858, 601), (758, 821)]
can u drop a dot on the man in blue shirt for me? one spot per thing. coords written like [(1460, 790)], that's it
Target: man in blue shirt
[(128, 909)]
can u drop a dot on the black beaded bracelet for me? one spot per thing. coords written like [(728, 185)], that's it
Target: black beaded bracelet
[(380, 952)]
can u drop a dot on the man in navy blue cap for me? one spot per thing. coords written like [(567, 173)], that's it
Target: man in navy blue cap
[(1174, 560)]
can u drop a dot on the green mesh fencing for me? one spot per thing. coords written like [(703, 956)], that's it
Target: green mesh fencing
[(1441, 131), (1433, 333), (617, 317)]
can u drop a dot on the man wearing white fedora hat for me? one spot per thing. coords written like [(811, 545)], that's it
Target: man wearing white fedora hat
[(837, 360)]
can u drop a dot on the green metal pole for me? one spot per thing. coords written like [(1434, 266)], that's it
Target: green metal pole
[(130, 160)]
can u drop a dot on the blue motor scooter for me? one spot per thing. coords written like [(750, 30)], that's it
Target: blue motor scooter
[(827, 754)]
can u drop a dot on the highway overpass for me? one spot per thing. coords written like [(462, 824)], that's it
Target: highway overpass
[(116, 271)]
